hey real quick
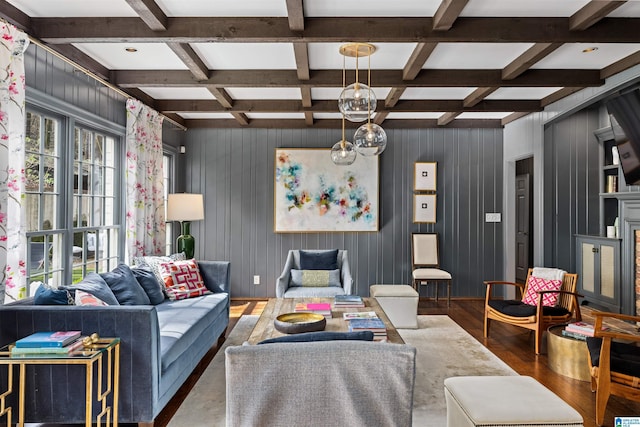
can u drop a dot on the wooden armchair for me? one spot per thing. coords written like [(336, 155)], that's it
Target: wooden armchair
[(614, 365), (533, 317)]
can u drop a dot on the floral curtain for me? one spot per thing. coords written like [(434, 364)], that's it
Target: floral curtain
[(145, 186), (13, 240)]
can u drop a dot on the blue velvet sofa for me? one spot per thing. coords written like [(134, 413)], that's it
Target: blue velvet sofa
[(160, 346)]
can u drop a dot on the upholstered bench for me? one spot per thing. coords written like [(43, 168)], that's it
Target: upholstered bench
[(399, 302), (505, 401)]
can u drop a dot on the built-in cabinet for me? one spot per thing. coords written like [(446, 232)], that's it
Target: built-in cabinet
[(598, 266)]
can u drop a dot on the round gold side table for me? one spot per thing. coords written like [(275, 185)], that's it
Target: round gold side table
[(567, 356)]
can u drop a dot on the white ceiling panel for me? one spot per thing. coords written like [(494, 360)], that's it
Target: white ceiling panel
[(149, 56), (74, 8), (409, 116), (223, 7), (248, 56), (571, 55), (327, 116), (321, 93), (388, 56), (523, 8), (275, 115), (474, 56), (437, 92), (196, 115), (483, 115), (523, 92), (178, 92), (264, 93), (630, 9), (358, 8)]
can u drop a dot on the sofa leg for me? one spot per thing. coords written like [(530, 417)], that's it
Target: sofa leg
[(222, 338)]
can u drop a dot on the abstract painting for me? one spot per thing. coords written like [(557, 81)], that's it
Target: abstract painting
[(312, 194)]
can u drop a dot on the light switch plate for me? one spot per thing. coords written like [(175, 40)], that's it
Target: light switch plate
[(492, 217)]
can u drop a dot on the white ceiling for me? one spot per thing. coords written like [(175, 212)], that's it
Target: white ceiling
[(235, 55)]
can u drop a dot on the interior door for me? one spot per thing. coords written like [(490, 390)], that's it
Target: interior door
[(522, 226)]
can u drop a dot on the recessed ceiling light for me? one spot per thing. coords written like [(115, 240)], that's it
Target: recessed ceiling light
[(589, 49), (131, 49)]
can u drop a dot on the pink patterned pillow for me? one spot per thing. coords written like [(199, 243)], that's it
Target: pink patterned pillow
[(85, 298), (182, 279), (537, 284)]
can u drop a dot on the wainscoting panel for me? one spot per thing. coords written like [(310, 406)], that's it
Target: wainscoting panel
[(234, 169)]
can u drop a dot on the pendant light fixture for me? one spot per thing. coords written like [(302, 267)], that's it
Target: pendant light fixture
[(343, 153), (357, 103)]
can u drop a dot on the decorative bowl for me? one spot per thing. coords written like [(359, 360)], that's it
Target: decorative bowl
[(296, 323)]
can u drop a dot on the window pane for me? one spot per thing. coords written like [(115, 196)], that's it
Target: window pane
[(32, 209), (32, 172), (76, 144), (86, 145), (48, 174), (32, 133), (109, 182), (97, 180), (50, 136), (109, 214), (97, 211), (49, 205), (98, 149)]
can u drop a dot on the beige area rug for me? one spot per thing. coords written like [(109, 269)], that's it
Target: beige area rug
[(444, 350)]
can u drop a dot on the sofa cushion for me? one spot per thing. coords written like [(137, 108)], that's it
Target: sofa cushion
[(125, 286), (315, 278), (178, 333), (95, 285), (519, 309), (149, 282), (319, 260), (182, 279), (47, 295), (85, 298), (624, 357), (154, 262)]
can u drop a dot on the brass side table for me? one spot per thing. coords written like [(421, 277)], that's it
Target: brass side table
[(567, 356), (104, 350)]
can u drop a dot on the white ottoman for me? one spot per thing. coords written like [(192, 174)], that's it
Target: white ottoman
[(505, 401), (399, 302)]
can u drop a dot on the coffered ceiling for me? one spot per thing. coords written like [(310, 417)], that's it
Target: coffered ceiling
[(275, 63)]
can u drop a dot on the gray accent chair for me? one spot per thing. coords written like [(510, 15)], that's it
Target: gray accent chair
[(327, 383), (284, 290)]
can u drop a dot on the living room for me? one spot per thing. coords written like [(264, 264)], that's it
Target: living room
[(233, 164)]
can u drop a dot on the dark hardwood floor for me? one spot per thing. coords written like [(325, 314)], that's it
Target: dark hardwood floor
[(513, 345)]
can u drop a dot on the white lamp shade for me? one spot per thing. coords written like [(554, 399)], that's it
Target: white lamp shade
[(185, 207)]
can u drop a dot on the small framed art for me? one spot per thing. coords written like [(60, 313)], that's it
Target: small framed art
[(424, 176), (424, 208)]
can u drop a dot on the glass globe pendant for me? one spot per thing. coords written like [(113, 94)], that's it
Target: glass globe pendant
[(356, 102), (370, 139), (343, 153)]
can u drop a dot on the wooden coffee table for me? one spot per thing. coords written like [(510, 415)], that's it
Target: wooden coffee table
[(264, 329)]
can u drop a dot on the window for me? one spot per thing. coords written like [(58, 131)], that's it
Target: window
[(72, 211)]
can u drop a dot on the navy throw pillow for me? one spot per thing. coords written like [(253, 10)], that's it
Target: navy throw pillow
[(147, 279), (319, 260), (322, 336), (125, 287), (46, 295), (94, 284)]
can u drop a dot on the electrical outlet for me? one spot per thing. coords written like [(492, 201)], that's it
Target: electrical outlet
[(492, 217), (256, 280)]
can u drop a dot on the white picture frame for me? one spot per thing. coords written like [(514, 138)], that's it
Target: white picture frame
[(424, 208), (424, 176)]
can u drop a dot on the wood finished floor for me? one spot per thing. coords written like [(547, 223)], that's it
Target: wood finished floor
[(513, 345)]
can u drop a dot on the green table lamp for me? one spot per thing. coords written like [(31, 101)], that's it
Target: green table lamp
[(185, 207)]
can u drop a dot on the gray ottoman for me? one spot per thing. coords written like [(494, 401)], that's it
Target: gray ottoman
[(399, 302), (505, 401)]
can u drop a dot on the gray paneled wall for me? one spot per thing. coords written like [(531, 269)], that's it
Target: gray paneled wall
[(234, 169), (571, 185)]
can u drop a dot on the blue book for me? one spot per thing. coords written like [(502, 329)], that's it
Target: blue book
[(366, 324), (48, 339)]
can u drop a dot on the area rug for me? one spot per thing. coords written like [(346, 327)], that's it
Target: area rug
[(444, 350)]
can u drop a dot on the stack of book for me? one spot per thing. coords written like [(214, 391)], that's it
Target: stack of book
[(360, 315), (345, 301), (323, 308), (48, 343), (374, 325), (580, 330)]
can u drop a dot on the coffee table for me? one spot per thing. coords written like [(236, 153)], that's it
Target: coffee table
[(265, 329)]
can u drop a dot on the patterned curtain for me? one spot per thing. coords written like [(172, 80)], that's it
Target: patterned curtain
[(13, 238), (145, 186)]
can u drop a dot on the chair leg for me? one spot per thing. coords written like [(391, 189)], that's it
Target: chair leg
[(602, 397), (449, 294), (486, 325), (437, 285)]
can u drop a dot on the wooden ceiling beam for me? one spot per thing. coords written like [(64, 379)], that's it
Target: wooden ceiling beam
[(591, 13), (295, 14), (302, 60), (83, 60), (336, 124), (527, 59), (555, 96), (513, 117), (150, 13), (447, 118), (221, 95), (191, 59), (336, 30), (447, 14), (394, 96), (380, 117), (305, 93), (621, 65), (382, 78), (241, 118), (329, 106), (417, 59), (15, 16), (308, 118), (478, 95)]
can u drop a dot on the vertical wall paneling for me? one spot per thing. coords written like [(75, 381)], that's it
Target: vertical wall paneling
[(234, 169)]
